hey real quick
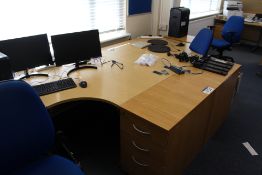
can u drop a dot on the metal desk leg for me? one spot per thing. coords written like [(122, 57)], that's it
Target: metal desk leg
[(259, 39)]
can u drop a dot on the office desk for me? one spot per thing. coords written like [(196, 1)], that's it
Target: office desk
[(165, 120), (252, 31)]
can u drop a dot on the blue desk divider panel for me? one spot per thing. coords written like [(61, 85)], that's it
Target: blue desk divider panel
[(139, 6)]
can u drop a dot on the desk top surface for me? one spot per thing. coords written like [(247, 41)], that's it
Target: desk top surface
[(160, 99), (187, 39)]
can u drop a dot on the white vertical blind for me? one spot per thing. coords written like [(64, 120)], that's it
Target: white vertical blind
[(201, 6), (30, 17)]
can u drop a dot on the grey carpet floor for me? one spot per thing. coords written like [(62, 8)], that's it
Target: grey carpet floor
[(224, 154)]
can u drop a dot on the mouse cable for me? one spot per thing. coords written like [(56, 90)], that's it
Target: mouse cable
[(166, 62)]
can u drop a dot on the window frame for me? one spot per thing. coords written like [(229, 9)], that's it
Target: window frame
[(199, 15)]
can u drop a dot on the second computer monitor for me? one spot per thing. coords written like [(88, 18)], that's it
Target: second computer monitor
[(76, 47), (27, 52)]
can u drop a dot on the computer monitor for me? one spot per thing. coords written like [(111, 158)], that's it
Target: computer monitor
[(76, 48), (27, 52)]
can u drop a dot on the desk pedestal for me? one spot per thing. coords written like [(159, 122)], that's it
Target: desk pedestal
[(148, 149)]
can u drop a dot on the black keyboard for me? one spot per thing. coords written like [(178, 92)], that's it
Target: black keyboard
[(55, 86)]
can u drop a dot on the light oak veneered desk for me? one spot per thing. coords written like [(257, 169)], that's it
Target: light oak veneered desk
[(165, 120)]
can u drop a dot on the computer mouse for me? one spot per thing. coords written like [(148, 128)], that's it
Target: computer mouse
[(83, 84)]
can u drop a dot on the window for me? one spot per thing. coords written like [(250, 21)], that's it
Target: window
[(30, 17), (200, 8)]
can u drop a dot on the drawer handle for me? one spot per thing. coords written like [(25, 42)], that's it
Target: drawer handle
[(138, 163), (141, 149), (140, 131)]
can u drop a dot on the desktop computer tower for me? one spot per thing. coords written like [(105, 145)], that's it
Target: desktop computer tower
[(178, 22), (5, 68)]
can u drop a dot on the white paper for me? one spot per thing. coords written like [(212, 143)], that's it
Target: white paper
[(208, 90)]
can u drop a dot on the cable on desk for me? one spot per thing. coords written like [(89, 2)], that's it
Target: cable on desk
[(114, 62), (164, 61), (167, 63)]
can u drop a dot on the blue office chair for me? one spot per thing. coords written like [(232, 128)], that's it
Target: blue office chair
[(27, 134), (231, 34), (202, 41)]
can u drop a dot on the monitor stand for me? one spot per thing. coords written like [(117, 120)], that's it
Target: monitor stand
[(27, 75), (77, 67)]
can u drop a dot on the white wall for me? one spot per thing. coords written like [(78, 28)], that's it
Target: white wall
[(161, 12), (196, 25), (150, 23), (139, 25), (145, 24)]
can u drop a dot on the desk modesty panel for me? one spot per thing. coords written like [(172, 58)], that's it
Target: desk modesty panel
[(165, 119)]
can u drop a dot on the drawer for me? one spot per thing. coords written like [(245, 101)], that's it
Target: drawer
[(143, 150), (136, 162), (140, 128)]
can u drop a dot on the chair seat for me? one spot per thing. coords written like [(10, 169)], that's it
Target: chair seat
[(53, 165), (219, 43)]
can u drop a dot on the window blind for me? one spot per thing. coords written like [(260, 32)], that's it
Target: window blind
[(30, 17), (201, 6)]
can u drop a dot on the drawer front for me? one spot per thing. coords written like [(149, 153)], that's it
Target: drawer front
[(143, 130), (140, 148), (140, 162)]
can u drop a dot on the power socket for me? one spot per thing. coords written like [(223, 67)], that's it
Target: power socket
[(162, 27)]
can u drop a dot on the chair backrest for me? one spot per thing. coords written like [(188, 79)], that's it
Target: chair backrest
[(26, 130), (233, 28), (202, 41)]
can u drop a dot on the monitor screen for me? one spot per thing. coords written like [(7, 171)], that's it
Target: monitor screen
[(27, 52), (76, 47)]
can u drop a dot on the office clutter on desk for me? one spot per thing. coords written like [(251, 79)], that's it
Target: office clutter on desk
[(183, 57), (158, 46), (167, 65), (214, 65), (146, 60), (114, 62), (249, 17), (157, 42), (140, 44), (162, 72), (206, 63)]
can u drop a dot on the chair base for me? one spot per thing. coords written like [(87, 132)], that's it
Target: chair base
[(62, 147)]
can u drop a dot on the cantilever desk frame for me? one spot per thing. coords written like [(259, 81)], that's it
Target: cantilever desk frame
[(165, 120)]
